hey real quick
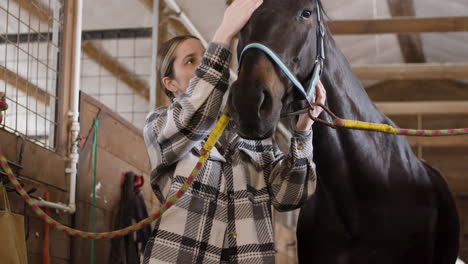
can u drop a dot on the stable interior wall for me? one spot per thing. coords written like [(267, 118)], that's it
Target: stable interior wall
[(44, 170), (120, 149)]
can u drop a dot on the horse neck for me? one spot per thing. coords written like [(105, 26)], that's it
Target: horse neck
[(350, 161), (347, 98)]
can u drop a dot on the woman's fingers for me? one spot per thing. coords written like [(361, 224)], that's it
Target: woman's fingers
[(321, 93)]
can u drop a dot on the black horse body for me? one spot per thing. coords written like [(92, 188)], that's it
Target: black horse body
[(375, 202)]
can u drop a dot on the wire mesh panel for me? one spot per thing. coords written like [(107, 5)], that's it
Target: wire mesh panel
[(29, 69), (116, 70)]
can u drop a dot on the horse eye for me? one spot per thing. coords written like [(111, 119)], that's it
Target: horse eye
[(306, 13)]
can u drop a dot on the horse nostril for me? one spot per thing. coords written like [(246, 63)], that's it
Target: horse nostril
[(296, 60), (265, 101)]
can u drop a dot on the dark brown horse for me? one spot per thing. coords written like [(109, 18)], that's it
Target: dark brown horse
[(376, 202)]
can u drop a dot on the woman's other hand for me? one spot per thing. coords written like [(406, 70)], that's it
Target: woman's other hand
[(305, 122), (235, 18)]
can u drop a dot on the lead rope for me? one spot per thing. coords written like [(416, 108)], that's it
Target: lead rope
[(383, 128), (205, 153)]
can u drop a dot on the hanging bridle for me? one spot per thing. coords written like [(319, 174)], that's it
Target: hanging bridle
[(308, 93)]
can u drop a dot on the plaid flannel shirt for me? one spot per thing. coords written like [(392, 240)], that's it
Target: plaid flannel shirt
[(225, 217)]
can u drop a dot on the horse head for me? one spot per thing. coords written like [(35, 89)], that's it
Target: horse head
[(262, 91)]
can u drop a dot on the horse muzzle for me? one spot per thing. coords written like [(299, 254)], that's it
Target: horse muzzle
[(253, 109)]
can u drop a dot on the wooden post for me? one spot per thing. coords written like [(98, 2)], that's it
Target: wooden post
[(399, 25), (410, 44)]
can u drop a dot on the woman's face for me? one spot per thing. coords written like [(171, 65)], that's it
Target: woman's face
[(188, 56)]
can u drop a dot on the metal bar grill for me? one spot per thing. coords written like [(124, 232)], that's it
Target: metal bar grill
[(29, 68), (116, 71)]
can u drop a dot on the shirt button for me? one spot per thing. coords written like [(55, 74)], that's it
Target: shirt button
[(233, 234), (300, 146), (232, 196)]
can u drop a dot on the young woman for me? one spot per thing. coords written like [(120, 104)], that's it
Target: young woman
[(225, 217)]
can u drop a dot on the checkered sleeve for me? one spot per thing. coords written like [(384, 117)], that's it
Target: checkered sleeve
[(293, 178), (173, 131)]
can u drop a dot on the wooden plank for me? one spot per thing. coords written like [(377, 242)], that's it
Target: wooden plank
[(109, 171), (39, 164), (399, 25), (59, 242), (173, 22), (105, 219), (411, 45), (149, 3), (114, 156), (90, 101), (24, 85), (37, 9), (178, 26), (412, 71), (414, 108), (132, 150), (101, 57)]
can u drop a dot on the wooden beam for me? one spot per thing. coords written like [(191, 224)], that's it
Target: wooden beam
[(414, 108), (415, 71), (177, 26), (37, 9), (149, 3), (101, 57), (411, 45), (174, 23), (24, 85), (399, 25)]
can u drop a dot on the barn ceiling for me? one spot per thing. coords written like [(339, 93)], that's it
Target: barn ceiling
[(359, 49)]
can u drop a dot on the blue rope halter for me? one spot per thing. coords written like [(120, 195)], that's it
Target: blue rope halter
[(308, 93)]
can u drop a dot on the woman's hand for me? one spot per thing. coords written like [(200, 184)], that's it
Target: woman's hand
[(235, 18), (305, 122)]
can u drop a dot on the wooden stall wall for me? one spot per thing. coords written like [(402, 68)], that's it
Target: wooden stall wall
[(120, 149), (44, 170)]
